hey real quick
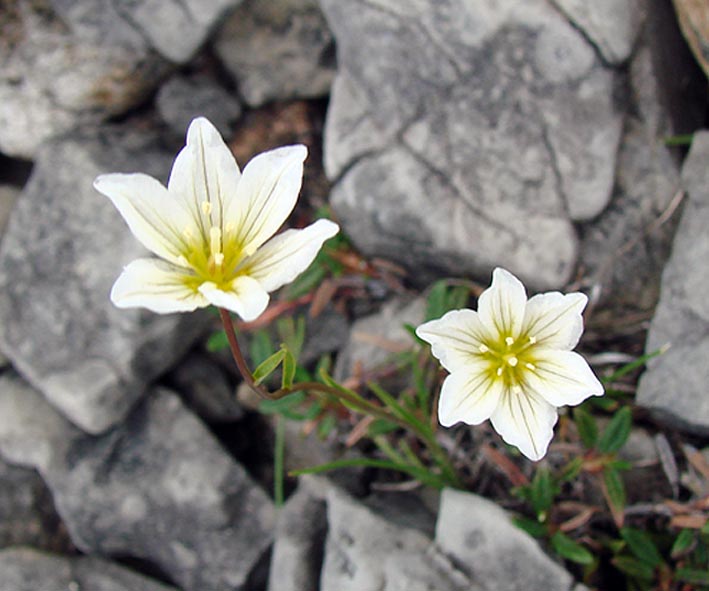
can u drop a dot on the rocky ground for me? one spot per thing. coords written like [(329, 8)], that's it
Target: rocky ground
[(446, 138)]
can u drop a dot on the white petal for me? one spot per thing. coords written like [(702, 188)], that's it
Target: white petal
[(266, 194), (246, 297), (454, 338), (526, 421), (468, 395), (157, 286), (204, 172), (152, 214), (501, 306), (286, 256), (562, 378), (555, 320)]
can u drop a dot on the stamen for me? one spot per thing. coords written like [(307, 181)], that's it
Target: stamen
[(531, 366), (510, 341), (532, 340), (483, 348), (512, 361), (206, 207), (218, 259), (215, 240), (516, 389), (499, 372)]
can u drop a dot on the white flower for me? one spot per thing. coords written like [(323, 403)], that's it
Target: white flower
[(212, 228), (511, 362)]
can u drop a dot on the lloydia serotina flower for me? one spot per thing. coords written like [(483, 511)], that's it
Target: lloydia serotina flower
[(212, 228), (511, 362)]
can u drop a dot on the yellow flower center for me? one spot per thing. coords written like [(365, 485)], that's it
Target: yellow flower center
[(212, 255), (509, 359)]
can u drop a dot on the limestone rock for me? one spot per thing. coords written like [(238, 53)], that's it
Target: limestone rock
[(64, 246), (181, 99), (26, 569), (8, 196), (674, 384), (612, 25), (467, 135), (158, 488), (278, 50), (479, 536)]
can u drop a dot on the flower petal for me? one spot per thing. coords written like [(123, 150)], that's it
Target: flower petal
[(501, 306), (554, 319), (156, 219), (286, 256), (204, 172), (265, 196), (454, 338), (562, 378), (526, 421), (157, 286), (469, 395), (247, 297)]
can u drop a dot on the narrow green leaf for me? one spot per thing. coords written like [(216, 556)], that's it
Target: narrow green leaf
[(683, 543), (268, 366), (587, 426), (380, 427), (289, 367), (286, 403), (571, 470), (679, 140), (640, 544), (217, 342), (390, 402), (531, 526), (693, 575), (542, 492), (423, 476), (569, 549), (411, 329), (436, 302), (627, 368), (279, 473), (633, 567), (326, 425), (616, 432), (615, 489)]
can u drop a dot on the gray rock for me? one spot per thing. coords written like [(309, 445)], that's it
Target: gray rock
[(277, 50), (612, 25), (205, 388), (66, 63), (26, 569), (375, 339), (182, 99), (300, 536), (373, 547), (8, 196), (625, 249), (63, 248), (158, 488), (466, 135), (480, 538), (27, 513), (176, 28), (674, 385)]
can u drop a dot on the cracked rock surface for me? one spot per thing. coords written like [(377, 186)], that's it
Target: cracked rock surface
[(158, 488), (674, 384), (466, 135), (62, 250)]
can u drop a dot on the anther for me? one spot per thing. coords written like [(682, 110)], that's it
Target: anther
[(483, 348), (206, 207), (512, 361), (218, 259), (516, 389), (531, 366), (510, 341), (532, 340), (499, 372)]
